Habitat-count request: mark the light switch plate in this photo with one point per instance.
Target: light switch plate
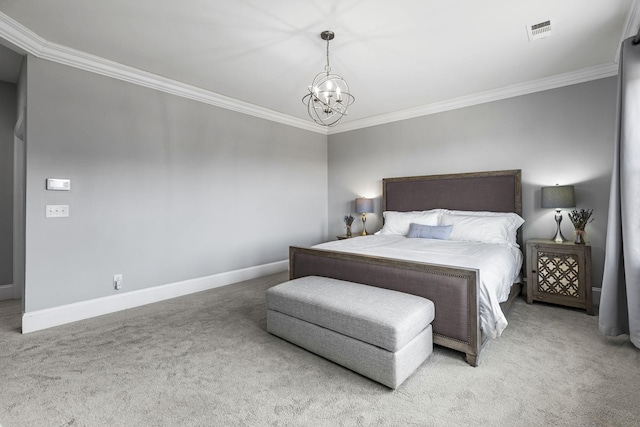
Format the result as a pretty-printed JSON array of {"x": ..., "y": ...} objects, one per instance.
[{"x": 57, "y": 211}]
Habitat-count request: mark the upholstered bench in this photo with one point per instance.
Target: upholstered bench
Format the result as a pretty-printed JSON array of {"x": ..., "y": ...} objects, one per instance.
[{"x": 382, "y": 334}]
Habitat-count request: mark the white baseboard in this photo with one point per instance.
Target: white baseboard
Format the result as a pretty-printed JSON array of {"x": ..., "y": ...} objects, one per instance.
[
  {"x": 50, "y": 317},
  {"x": 6, "y": 292}
]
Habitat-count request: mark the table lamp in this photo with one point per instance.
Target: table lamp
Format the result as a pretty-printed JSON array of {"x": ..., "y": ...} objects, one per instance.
[
  {"x": 364, "y": 206},
  {"x": 557, "y": 197}
]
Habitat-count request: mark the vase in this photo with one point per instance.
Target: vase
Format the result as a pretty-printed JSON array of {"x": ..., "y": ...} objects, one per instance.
[
  {"x": 348, "y": 231},
  {"x": 579, "y": 237}
]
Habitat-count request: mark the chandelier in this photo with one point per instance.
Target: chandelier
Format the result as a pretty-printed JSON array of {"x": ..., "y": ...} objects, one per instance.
[{"x": 328, "y": 97}]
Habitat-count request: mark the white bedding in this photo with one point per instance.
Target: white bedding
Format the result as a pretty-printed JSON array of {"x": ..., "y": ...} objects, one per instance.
[{"x": 499, "y": 266}]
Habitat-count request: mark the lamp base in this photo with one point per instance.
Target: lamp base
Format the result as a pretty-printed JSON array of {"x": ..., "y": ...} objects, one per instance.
[
  {"x": 364, "y": 224},
  {"x": 559, "y": 238}
]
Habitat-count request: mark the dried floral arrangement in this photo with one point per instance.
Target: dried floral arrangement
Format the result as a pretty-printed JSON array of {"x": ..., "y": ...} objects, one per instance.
[
  {"x": 348, "y": 220},
  {"x": 581, "y": 218}
]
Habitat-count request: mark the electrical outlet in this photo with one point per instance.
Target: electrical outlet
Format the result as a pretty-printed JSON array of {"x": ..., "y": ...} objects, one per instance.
[
  {"x": 117, "y": 281},
  {"x": 57, "y": 211}
]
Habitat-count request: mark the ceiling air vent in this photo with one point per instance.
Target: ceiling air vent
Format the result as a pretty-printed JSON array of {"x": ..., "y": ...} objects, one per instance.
[{"x": 539, "y": 31}]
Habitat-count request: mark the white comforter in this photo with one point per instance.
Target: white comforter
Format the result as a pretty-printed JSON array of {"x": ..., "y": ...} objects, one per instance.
[{"x": 499, "y": 266}]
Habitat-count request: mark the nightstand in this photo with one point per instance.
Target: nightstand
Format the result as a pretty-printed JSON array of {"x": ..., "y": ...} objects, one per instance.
[
  {"x": 344, "y": 236},
  {"x": 559, "y": 273}
]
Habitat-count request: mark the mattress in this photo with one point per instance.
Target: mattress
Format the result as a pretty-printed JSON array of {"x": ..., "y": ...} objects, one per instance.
[{"x": 499, "y": 266}]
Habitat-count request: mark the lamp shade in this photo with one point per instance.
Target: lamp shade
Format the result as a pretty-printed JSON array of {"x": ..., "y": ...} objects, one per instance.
[
  {"x": 364, "y": 205},
  {"x": 558, "y": 196}
]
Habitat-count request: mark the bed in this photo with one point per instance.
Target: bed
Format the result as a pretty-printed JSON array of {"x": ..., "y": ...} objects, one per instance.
[{"x": 456, "y": 291}]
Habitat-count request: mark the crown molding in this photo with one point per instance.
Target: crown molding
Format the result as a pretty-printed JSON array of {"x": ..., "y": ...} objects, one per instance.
[
  {"x": 631, "y": 29},
  {"x": 633, "y": 20},
  {"x": 26, "y": 41},
  {"x": 560, "y": 80},
  {"x": 29, "y": 42}
]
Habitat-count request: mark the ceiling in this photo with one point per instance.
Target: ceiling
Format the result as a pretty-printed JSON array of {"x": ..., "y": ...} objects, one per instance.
[{"x": 396, "y": 56}]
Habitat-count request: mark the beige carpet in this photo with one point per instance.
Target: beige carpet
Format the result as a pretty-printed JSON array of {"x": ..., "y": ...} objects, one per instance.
[{"x": 206, "y": 360}]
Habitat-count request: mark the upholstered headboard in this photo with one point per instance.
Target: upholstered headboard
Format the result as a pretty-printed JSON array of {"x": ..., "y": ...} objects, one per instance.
[{"x": 496, "y": 191}]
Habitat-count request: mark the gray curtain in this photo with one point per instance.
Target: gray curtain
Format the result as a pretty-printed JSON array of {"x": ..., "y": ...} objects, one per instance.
[{"x": 620, "y": 299}]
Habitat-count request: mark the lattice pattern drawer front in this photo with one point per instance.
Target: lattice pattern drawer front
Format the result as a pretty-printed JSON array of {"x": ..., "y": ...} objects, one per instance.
[{"x": 558, "y": 274}]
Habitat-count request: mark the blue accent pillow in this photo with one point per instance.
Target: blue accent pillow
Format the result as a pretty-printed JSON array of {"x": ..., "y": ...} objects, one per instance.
[{"x": 440, "y": 232}]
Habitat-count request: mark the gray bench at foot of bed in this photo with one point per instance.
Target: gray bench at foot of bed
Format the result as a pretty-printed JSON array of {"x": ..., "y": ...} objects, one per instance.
[{"x": 382, "y": 334}]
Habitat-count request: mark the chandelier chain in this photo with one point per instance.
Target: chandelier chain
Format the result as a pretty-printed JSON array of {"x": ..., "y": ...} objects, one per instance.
[{"x": 327, "y": 67}]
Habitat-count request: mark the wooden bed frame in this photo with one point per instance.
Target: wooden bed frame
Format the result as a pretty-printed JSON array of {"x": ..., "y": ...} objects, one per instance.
[{"x": 453, "y": 290}]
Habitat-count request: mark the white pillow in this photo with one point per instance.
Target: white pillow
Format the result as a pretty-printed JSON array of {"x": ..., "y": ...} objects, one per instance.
[
  {"x": 515, "y": 220},
  {"x": 491, "y": 228},
  {"x": 513, "y": 215},
  {"x": 398, "y": 223}
]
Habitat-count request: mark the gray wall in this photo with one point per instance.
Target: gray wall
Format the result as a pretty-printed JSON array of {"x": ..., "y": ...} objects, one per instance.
[
  {"x": 7, "y": 124},
  {"x": 164, "y": 189},
  {"x": 563, "y": 136}
]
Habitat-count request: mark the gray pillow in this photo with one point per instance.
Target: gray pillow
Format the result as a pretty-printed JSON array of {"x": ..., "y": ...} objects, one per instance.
[{"x": 440, "y": 232}]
